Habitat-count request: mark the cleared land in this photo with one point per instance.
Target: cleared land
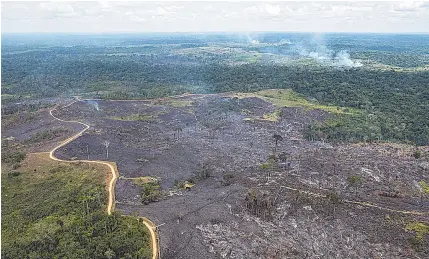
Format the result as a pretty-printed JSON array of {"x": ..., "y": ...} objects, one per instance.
[{"x": 243, "y": 204}]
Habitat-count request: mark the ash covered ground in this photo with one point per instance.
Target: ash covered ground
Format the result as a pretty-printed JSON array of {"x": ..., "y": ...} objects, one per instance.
[{"x": 254, "y": 198}]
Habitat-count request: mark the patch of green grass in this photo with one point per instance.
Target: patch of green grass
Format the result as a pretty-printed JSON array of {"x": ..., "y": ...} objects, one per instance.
[
  {"x": 425, "y": 187},
  {"x": 5, "y": 97},
  {"x": 270, "y": 164},
  {"x": 143, "y": 180},
  {"x": 274, "y": 116},
  {"x": 289, "y": 98},
  {"x": 135, "y": 117},
  {"x": 178, "y": 103},
  {"x": 419, "y": 228}
]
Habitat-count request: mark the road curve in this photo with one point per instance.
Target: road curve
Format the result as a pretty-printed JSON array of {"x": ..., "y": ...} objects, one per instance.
[{"x": 115, "y": 176}]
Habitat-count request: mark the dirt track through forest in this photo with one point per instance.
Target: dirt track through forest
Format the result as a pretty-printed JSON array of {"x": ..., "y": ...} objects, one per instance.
[{"x": 115, "y": 175}]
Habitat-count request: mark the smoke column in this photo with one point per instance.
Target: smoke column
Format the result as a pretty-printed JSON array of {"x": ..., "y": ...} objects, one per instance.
[
  {"x": 94, "y": 103},
  {"x": 326, "y": 56}
]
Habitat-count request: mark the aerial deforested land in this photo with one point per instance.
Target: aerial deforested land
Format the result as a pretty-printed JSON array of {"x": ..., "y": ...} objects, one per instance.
[{"x": 257, "y": 186}]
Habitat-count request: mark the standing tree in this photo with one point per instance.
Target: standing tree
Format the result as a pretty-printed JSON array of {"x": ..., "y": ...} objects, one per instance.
[
  {"x": 106, "y": 144},
  {"x": 277, "y": 138}
]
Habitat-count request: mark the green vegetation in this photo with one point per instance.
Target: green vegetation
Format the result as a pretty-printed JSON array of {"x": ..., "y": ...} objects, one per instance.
[
  {"x": 419, "y": 228},
  {"x": 17, "y": 116},
  {"x": 12, "y": 158},
  {"x": 46, "y": 135},
  {"x": 59, "y": 212},
  {"x": 144, "y": 179},
  {"x": 135, "y": 117},
  {"x": 424, "y": 186},
  {"x": 151, "y": 192},
  {"x": 289, "y": 98},
  {"x": 270, "y": 164},
  {"x": 274, "y": 116},
  {"x": 138, "y": 117},
  {"x": 178, "y": 103}
]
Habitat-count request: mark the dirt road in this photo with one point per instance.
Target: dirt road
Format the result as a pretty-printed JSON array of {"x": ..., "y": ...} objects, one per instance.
[{"x": 115, "y": 176}]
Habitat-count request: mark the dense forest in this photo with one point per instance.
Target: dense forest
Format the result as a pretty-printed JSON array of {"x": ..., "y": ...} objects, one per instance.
[
  {"x": 48, "y": 214},
  {"x": 391, "y": 88}
]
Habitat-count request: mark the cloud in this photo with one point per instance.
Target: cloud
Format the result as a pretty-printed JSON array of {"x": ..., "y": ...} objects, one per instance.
[
  {"x": 409, "y": 6},
  {"x": 217, "y": 16},
  {"x": 262, "y": 9},
  {"x": 272, "y": 9}
]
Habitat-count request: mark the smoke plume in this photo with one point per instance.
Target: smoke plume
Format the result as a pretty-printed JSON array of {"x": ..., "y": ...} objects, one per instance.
[
  {"x": 93, "y": 103},
  {"x": 328, "y": 57}
]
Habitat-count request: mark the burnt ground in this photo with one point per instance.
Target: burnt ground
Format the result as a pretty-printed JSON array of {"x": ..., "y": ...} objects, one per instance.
[
  {"x": 19, "y": 131},
  {"x": 175, "y": 139}
]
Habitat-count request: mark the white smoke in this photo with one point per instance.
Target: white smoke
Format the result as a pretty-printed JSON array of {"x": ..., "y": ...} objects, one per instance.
[
  {"x": 255, "y": 42},
  {"x": 250, "y": 40},
  {"x": 328, "y": 57},
  {"x": 342, "y": 59},
  {"x": 285, "y": 41},
  {"x": 94, "y": 103}
]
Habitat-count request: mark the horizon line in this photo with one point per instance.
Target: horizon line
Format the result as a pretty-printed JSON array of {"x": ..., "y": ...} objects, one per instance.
[{"x": 210, "y": 32}]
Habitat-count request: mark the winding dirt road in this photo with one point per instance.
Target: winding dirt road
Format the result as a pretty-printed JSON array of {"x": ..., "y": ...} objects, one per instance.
[{"x": 115, "y": 176}]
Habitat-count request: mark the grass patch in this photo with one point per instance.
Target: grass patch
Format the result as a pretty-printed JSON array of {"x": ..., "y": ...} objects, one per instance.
[
  {"x": 289, "y": 98},
  {"x": 178, "y": 103},
  {"x": 419, "y": 228},
  {"x": 135, "y": 117},
  {"x": 57, "y": 210},
  {"x": 274, "y": 116},
  {"x": 139, "y": 117},
  {"x": 143, "y": 180}
]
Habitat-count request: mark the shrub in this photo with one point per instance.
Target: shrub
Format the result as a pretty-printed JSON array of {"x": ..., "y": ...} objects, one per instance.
[
  {"x": 419, "y": 228},
  {"x": 13, "y": 157},
  {"x": 13, "y": 174},
  {"x": 417, "y": 154},
  {"x": 151, "y": 192}
]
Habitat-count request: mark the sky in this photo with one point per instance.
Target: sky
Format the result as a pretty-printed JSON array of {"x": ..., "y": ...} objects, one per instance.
[{"x": 207, "y": 16}]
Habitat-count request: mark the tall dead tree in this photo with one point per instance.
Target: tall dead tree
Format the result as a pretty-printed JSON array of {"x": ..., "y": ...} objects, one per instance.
[
  {"x": 277, "y": 138},
  {"x": 106, "y": 144}
]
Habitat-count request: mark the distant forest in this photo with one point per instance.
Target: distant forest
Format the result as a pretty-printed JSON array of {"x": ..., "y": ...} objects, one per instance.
[{"x": 394, "y": 103}]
